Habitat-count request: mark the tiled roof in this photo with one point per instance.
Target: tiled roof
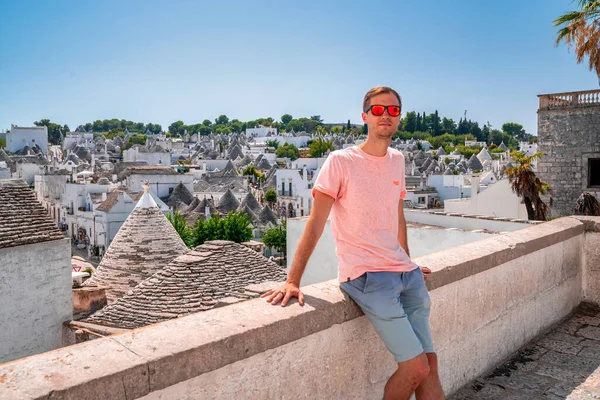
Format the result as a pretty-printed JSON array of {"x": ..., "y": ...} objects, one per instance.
[
  {"x": 267, "y": 215},
  {"x": 228, "y": 202},
  {"x": 146, "y": 243},
  {"x": 180, "y": 194},
  {"x": 193, "y": 282},
  {"x": 147, "y": 170},
  {"x": 251, "y": 202},
  {"x": 23, "y": 220},
  {"x": 111, "y": 200}
]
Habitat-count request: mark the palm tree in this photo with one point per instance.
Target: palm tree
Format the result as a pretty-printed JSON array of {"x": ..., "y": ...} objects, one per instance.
[
  {"x": 587, "y": 205},
  {"x": 527, "y": 185},
  {"x": 582, "y": 30}
]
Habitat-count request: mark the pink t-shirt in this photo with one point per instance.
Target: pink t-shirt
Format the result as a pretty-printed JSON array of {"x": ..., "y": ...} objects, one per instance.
[{"x": 364, "y": 216}]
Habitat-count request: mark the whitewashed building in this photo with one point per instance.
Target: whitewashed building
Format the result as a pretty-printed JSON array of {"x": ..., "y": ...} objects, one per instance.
[
  {"x": 261, "y": 131},
  {"x": 19, "y": 137}
]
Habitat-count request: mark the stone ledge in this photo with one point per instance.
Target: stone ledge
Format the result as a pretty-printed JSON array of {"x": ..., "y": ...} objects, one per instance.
[
  {"x": 135, "y": 363},
  {"x": 459, "y": 262},
  {"x": 591, "y": 224}
]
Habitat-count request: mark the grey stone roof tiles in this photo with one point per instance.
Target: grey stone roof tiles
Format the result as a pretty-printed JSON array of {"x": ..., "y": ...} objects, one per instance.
[
  {"x": 193, "y": 204},
  {"x": 23, "y": 220},
  {"x": 146, "y": 243},
  {"x": 441, "y": 151},
  {"x": 251, "y": 202},
  {"x": 191, "y": 283},
  {"x": 267, "y": 216},
  {"x": 228, "y": 202},
  {"x": 263, "y": 164},
  {"x": 474, "y": 164},
  {"x": 180, "y": 194},
  {"x": 147, "y": 170}
]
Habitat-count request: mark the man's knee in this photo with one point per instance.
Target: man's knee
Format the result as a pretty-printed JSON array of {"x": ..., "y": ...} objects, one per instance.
[{"x": 417, "y": 368}]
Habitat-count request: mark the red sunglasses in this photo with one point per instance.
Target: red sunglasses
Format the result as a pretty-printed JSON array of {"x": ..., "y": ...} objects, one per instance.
[{"x": 378, "y": 110}]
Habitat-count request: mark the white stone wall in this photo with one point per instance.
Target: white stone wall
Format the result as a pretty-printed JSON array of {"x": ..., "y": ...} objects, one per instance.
[
  {"x": 501, "y": 309},
  {"x": 497, "y": 200},
  {"x": 35, "y": 294},
  {"x": 19, "y": 137},
  {"x": 27, "y": 172},
  {"x": 160, "y": 184},
  {"x": 323, "y": 264},
  {"x": 134, "y": 155}
]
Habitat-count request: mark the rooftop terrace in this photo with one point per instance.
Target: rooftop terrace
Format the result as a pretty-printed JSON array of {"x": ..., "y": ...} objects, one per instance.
[{"x": 489, "y": 299}]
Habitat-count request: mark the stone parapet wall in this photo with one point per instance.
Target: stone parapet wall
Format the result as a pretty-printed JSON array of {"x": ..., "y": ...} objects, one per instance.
[{"x": 489, "y": 298}]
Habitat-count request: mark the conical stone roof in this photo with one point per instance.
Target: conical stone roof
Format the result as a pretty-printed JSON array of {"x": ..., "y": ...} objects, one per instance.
[
  {"x": 180, "y": 194},
  {"x": 193, "y": 204},
  {"x": 251, "y": 202},
  {"x": 267, "y": 216},
  {"x": 503, "y": 146},
  {"x": 144, "y": 245},
  {"x": 251, "y": 214},
  {"x": 474, "y": 164},
  {"x": 484, "y": 155},
  {"x": 235, "y": 152},
  {"x": 228, "y": 202},
  {"x": 441, "y": 151},
  {"x": 190, "y": 283},
  {"x": 263, "y": 164}
]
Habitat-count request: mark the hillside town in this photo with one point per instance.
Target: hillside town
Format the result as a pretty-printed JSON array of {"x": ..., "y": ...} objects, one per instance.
[{"x": 413, "y": 255}]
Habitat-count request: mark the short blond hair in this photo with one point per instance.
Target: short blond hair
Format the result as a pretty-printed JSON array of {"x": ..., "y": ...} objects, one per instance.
[{"x": 379, "y": 90}]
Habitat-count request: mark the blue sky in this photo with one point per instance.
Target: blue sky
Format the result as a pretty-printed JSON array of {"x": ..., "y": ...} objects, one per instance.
[{"x": 156, "y": 61}]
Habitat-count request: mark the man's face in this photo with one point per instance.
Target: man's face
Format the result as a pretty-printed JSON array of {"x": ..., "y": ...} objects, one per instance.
[{"x": 383, "y": 126}]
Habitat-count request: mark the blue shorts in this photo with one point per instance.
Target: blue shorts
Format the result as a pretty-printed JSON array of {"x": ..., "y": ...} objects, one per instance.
[{"x": 398, "y": 306}]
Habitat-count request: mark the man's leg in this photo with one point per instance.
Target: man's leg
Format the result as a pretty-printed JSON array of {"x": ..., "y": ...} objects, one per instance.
[
  {"x": 409, "y": 376},
  {"x": 430, "y": 388},
  {"x": 416, "y": 302}
]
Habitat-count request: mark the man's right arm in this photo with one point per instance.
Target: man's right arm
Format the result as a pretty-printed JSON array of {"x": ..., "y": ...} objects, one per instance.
[{"x": 310, "y": 237}]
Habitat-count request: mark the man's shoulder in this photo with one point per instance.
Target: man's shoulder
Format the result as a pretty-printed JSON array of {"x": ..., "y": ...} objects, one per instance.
[
  {"x": 395, "y": 153},
  {"x": 342, "y": 155}
]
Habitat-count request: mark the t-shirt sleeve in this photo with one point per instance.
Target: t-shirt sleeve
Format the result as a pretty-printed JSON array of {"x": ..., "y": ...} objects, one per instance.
[{"x": 330, "y": 178}]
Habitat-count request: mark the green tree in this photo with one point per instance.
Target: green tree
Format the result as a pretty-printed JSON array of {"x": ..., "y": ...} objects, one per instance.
[
  {"x": 436, "y": 124},
  {"x": 336, "y": 129},
  {"x": 409, "y": 124},
  {"x": 271, "y": 196},
  {"x": 515, "y": 130},
  {"x": 581, "y": 29},
  {"x": 319, "y": 147},
  {"x": 237, "y": 227},
  {"x": 294, "y": 125},
  {"x": 275, "y": 237},
  {"x": 236, "y": 126},
  {"x": 207, "y": 122},
  {"x": 288, "y": 150},
  {"x": 222, "y": 120},
  {"x": 348, "y": 126},
  {"x": 178, "y": 221},
  {"x": 273, "y": 143},
  {"x": 317, "y": 119},
  {"x": 365, "y": 129},
  {"x": 2, "y": 143},
  {"x": 286, "y": 118},
  {"x": 54, "y": 130},
  {"x": 528, "y": 186},
  {"x": 177, "y": 128},
  {"x": 135, "y": 139}
]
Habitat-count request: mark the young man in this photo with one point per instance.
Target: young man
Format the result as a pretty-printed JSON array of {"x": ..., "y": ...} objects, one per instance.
[{"x": 364, "y": 186}]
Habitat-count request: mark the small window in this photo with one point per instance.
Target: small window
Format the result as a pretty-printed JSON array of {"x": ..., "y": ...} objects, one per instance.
[
  {"x": 33, "y": 140},
  {"x": 594, "y": 172}
]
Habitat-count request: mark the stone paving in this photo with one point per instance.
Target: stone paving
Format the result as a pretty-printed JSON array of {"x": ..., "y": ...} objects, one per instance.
[{"x": 563, "y": 364}]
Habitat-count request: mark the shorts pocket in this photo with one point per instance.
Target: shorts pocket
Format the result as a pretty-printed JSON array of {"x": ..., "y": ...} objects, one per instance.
[{"x": 377, "y": 282}]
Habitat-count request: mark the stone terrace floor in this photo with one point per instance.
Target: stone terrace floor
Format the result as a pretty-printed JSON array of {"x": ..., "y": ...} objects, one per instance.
[{"x": 563, "y": 364}]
